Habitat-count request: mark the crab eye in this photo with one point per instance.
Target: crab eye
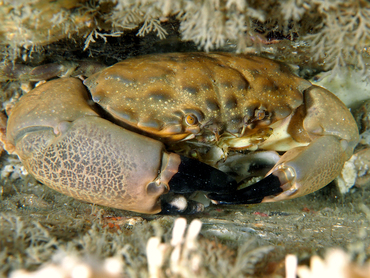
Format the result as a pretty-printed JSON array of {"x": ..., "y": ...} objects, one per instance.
[
  {"x": 191, "y": 119},
  {"x": 259, "y": 114}
]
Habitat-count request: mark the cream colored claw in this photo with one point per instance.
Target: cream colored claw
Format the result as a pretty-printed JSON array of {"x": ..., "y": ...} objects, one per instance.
[
  {"x": 64, "y": 143},
  {"x": 332, "y": 133}
]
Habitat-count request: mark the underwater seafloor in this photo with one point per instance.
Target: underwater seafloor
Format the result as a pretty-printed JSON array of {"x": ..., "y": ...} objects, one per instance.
[
  {"x": 46, "y": 234},
  {"x": 42, "y": 228}
]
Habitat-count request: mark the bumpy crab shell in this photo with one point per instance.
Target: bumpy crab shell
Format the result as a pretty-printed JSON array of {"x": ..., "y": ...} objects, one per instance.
[
  {"x": 220, "y": 91},
  {"x": 92, "y": 141}
]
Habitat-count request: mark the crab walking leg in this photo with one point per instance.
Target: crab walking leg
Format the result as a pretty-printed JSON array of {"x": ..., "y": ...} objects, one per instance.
[{"x": 64, "y": 144}]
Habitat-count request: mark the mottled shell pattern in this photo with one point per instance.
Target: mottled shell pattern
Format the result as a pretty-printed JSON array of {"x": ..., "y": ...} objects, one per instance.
[{"x": 206, "y": 96}]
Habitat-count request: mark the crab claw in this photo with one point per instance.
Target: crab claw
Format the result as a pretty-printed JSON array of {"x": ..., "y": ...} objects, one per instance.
[
  {"x": 191, "y": 176},
  {"x": 303, "y": 170},
  {"x": 290, "y": 177},
  {"x": 253, "y": 194},
  {"x": 180, "y": 175},
  {"x": 64, "y": 143}
]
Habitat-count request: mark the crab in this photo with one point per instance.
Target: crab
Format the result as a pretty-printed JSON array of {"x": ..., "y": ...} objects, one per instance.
[{"x": 151, "y": 126}]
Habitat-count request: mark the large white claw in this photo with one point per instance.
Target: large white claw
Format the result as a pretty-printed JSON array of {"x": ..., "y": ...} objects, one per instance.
[{"x": 326, "y": 123}]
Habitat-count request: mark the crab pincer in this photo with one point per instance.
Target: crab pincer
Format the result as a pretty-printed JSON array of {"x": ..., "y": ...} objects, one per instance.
[
  {"x": 64, "y": 143},
  {"x": 305, "y": 169}
]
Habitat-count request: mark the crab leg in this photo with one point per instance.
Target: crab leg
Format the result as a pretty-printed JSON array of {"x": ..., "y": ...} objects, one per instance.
[{"x": 303, "y": 170}]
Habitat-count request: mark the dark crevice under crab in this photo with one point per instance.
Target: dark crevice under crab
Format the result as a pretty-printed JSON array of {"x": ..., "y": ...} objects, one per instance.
[{"x": 106, "y": 140}]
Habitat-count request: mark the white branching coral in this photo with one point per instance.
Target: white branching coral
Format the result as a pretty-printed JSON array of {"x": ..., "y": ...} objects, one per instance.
[
  {"x": 337, "y": 32},
  {"x": 204, "y": 23},
  {"x": 333, "y": 33},
  {"x": 183, "y": 260},
  {"x": 208, "y": 23},
  {"x": 344, "y": 34},
  {"x": 145, "y": 15},
  {"x": 336, "y": 264},
  {"x": 147, "y": 250},
  {"x": 187, "y": 256}
]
